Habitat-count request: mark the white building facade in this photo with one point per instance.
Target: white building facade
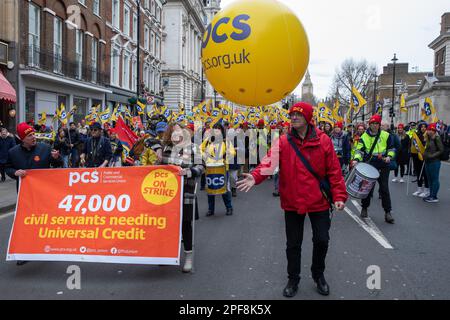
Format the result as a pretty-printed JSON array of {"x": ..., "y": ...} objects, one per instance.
[{"x": 184, "y": 24}]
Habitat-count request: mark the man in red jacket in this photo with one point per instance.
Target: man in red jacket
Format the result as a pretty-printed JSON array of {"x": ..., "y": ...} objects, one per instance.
[{"x": 300, "y": 191}]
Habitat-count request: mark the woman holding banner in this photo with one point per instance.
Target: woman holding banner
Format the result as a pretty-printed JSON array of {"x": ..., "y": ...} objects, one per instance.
[{"x": 178, "y": 150}]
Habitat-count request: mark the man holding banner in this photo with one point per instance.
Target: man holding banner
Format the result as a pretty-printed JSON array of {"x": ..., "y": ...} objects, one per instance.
[{"x": 30, "y": 155}]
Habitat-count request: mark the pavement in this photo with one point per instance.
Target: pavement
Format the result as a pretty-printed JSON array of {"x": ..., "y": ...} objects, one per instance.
[
  {"x": 243, "y": 257},
  {"x": 8, "y": 195}
]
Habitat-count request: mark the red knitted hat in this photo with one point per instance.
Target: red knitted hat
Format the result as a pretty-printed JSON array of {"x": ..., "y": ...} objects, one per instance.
[
  {"x": 376, "y": 118},
  {"x": 304, "y": 108},
  {"x": 432, "y": 126},
  {"x": 23, "y": 130}
]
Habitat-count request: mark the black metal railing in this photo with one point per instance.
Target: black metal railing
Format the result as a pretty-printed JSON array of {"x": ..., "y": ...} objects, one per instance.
[{"x": 49, "y": 61}]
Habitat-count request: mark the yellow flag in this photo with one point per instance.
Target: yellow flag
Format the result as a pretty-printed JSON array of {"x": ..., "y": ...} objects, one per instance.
[
  {"x": 429, "y": 111},
  {"x": 61, "y": 114},
  {"x": 336, "y": 115},
  {"x": 325, "y": 114},
  {"x": 116, "y": 113},
  {"x": 357, "y": 100},
  {"x": 42, "y": 118},
  {"x": 403, "y": 104},
  {"x": 418, "y": 146},
  {"x": 140, "y": 107},
  {"x": 105, "y": 116}
]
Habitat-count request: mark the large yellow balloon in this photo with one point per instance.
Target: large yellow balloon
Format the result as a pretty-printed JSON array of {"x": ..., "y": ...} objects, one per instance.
[{"x": 255, "y": 52}]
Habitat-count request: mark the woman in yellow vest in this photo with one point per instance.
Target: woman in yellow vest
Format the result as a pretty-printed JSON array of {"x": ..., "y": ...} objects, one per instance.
[{"x": 215, "y": 151}]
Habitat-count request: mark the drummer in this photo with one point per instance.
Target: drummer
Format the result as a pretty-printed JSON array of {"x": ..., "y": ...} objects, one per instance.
[
  {"x": 215, "y": 150},
  {"x": 380, "y": 158}
]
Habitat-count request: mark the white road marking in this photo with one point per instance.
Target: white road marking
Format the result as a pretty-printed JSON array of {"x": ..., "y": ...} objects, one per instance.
[
  {"x": 4, "y": 216},
  {"x": 357, "y": 205},
  {"x": 371, "y": 229}
]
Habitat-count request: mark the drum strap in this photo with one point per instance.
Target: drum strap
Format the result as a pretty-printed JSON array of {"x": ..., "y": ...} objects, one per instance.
[{"x": 369, "y": 155}]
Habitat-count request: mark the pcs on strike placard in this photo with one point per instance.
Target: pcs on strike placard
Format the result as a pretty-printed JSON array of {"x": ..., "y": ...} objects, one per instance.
[{"x": 116, "y": 215}]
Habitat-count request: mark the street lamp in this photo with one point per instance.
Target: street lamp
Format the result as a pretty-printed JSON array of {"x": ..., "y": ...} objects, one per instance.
[{"x": 392, "y": 112}]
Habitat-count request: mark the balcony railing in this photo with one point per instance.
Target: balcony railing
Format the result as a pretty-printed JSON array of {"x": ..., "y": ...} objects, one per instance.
[{"x": 36, "y": 57}]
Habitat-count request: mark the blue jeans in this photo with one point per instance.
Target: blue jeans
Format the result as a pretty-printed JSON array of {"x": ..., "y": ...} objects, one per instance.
[
  {"x": 74, "y": 160},
  {"x": 65, "y": 161},
  {"x": 226, "y": 200},
  {"x": 432, "y": 170}
]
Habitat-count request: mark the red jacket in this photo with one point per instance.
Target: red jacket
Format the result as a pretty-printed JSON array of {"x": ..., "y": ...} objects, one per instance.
[{"x": 299, "y": 189}]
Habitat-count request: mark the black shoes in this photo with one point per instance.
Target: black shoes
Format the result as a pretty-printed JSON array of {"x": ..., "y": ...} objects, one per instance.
[
  {"x": 229, "y": 212},
  {"x": 21, "y": 263},
  {"x": 276, "y": 194},
  {"x": 364, "y": 213},
  {"x": 291, "y": 289},
  {"x": 322, "y": 286},
  {"x": 210, "y": 213},
  {"x": 388, "y": 218}
]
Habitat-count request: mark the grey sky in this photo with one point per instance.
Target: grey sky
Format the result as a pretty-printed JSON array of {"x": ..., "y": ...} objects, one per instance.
[{"x": 369, "y": 29}]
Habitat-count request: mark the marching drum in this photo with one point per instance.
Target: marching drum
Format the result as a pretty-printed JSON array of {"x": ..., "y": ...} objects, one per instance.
[
  {"x": 216, "y": 179},
  {"x": 362, "y": 180}
]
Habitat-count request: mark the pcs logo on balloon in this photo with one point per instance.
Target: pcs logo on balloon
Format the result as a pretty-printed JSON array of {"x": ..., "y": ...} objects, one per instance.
[{"x": 238, "y": 23}]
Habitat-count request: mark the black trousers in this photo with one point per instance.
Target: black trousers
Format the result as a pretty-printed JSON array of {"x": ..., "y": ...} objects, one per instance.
[
  {"x": 383, "y": 182},
  {"x": 321, "y": 224},
  {"x": 186, "y": 228},
  {"x": 2, "y": 171},
  {"x": 402, "y": 168}
]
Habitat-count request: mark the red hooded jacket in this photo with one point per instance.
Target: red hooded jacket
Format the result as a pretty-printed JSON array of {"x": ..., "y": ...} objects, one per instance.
[{"x": 299, "y": 189}]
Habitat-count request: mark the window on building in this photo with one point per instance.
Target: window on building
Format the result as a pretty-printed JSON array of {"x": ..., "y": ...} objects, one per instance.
[
  {"x": 145, "y": 75},
  {"x": 57, "y": 45},
  {"x": 96, "y": 7},
  {"x": 158, "y": 48},
  {"x": 152, "y": 43},
  {"x": 79, "y": 53},
  {"x": 152, "y": 80},
  {"x": 134, "y": 75},
  {"x": 135, "y": 26},
  {"x": 153, "y": 4},
  {"x": 443, "y": 56},
  {"x": 126, "y": 20},
  {"x": 158, "y": 14},
  {"x": 116, "y": 14},
  {"x": 126, "y": 70},
  {"x": 115, "y": 63},
  {"x": 82, "y": 108},
  {"x": 94, "y": 59},
  {"x": 419, "y": 82},
  {"x": 146, "y": 37},
  {"x": 30, "y": 105},
  {"x": 147, "y": 4},
  {"x": 157, "y": 82},
  {"x": 33, "y": 34},
  {"x": 398, "y": 82}
]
